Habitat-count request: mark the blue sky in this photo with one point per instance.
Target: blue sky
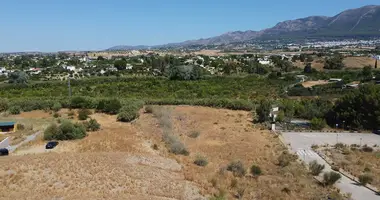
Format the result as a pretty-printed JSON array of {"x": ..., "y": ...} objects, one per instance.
[{"x": 54, "y": 25}]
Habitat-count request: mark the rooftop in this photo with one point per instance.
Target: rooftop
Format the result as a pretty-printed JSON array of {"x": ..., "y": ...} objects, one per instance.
[{"x": 7, "y": 123}]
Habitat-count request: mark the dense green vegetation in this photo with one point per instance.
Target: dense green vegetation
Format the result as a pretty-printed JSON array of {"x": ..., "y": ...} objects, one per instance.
[
  {"x": 148, "y": 88},
  {"x": 358, "y": 109},
  {"x": 65, "y": 131}
]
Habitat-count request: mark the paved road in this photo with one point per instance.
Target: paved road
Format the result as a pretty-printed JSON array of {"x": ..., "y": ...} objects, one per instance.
[
  {"x": 12, "y": 148},
  {"x": 301, "y": 145}
]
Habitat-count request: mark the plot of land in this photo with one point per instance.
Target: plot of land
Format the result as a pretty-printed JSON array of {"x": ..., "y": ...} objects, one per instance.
[
  {"x": 357, "y": 162},
  {"x": 358, "y": 62},
  {"x": 118, "y": 162},
  {"x": 309, "y": 84}
]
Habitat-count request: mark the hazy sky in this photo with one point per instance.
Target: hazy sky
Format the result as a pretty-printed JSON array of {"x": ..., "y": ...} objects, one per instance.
[{"x": 53, "y": 25}]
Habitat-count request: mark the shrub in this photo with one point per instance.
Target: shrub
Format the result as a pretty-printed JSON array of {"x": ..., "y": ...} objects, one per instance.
[
  {"x": 110, "y": 106},
  {"x": 83, "y": 114},
  {"x": 149, "y": 109},
  {"x": 364, "y": 179},
  {"x": 80, "y": 102},
  {"x": 330, "y": 178},
  {"x": 66, "y": 131},
  {"x": 317, "y": 124},
  {"x": 56, "y": 115},
  {"x": 194, "y": 134},
  {"x": 315, "y": 168},
  {"x": 3, "y": 105},
  {"x": 20, "y": 127},
  {"x": 125, "y": 116},
  {"x": 285, "y": 159},
  {"x": 56, "y": 107},
  {"x": 255, "y": 170},
  {"x": 14, "y": 110},
  {"x": 339, "y": 145},
  {"x": 155, "y": 147},
  {"x": 177, "y": 147},
  {"x": 366, "y": 148},
  {"x": 51, "y": 131},
  {"x": 91, "y": 125},
  {"x": 201, "y": 161},
  {"x": 237, "y": 168}
]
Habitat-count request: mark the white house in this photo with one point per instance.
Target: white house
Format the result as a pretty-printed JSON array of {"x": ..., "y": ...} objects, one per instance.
[
  {"x": 70, "y": 68},
  {"x": 129, "y": 66}
]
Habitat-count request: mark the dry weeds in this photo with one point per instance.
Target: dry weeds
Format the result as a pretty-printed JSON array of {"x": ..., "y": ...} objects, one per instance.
[
  {"x": 118, "y": 162},
  {"x": 357, "y": 162}
]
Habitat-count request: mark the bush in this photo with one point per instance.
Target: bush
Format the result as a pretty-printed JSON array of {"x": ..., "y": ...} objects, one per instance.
[
  {"x": 148, "y": 109},
  {"x": 201, "y": 161},
  {"x": 366, "y": 148},
  {"x": 51, "y": 131},
  {"x": 20, "y": 127},
  {"x": 80, "y": 102},
  {"x": 194, "y": 134},
  {"x": 110, "y": 106},
  {"x": 263, "y": 110},
  {"x": 125, "y": 116},
  {"x": 317, "y": 124},
  {"x": 91, "y": 125},
  {"x": 285, "y": 159},
  {"x": 237, "y": 168},
  {"x": 3, "y": 105},
  {"x": 56, "y": 115},
  {"x": 71, "y": 113},
  {"x": 66, "y": 131},
  {"x": 364, "y": 179},
  {"x": 177, "y": 147},
  {"x": 255, "y": 170},
  {"x": 14, "y": 110},
  {"x": 330, "y": 178},
  {"x": 315, "y": 168},
  {"x": 83, "y": 114},
  {"x": 56, "y": 107}
]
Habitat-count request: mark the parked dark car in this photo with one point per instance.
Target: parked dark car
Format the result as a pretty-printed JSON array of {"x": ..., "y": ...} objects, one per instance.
[
  {"x": 51, "y": 145},
  {"x": 4, "y": 152},
  {"x": 377, "y": 131}
]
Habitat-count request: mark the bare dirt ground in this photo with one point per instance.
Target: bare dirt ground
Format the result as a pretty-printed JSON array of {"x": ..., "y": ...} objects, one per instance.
[
  {"x": 308, "y": 84},
  {"x": 118, "y": 162},
  {"x": 357, "y": 162}
]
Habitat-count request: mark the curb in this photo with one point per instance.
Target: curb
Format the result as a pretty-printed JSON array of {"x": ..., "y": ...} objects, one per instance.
[{"x": 344, "y": 173}]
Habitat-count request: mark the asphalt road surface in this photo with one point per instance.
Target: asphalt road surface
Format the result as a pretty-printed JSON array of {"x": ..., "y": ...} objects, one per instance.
[{"x": 301, "y": 145}]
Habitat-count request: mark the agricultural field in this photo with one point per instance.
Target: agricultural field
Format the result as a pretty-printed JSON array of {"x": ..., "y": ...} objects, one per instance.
[
  {"x": 357, "y": 160},
  {"x": 349, "y": 62},
  {"x": 143, "y": 88},
  {"x": 169, "y": 152}
]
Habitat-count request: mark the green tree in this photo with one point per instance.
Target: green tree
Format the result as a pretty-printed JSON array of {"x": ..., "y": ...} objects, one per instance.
[
  {"x": 120, "y": 64},
  {"x": 359, "y": 109},
  {"x": 307, "y": 68},
  {"x": 263, "y": 110},
  {"x": 317, "y": 124},
  {"x": 367, "y": 73},
  {"x": 18, "y": 78},
  {"x": 335, "y": 62}
]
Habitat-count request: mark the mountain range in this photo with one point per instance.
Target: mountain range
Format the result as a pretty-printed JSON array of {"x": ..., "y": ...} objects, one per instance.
[{"x": 360, "y": 22}]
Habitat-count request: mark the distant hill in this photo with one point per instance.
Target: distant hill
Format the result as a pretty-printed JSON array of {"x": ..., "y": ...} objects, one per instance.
[{"x": 360, "y": 22}]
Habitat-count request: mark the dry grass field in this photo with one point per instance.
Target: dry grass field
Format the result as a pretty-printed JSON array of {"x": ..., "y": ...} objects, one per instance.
[
  {"x": 358, "y": 62},
  {"x": 32, "y": 122},
  {"x": 357, "y": 162},
  {"x": 350, "y": 62},
  {"x": 131, "y": 161}
]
